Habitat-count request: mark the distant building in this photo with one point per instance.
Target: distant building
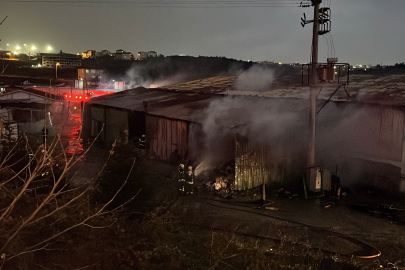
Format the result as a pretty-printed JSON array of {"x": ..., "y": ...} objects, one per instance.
[
  {"x": 6, "y": 55},
  {"x": 91, "y": 77},
  {"x": 49, "y": 60},
  {"x": 152, "y": 54},
  {"x": 103, "y": 53},
  {"x": 142, "y": 55},
  {"x": 123, "y": 55},
  {"x": 88, "y": 54}
]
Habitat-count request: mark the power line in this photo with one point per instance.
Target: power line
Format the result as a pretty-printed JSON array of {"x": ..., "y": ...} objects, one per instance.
[
  {"x": 174, "y": 3},
  {"x": 333, "y": 45},
  {"x": 327, "y": 41}
]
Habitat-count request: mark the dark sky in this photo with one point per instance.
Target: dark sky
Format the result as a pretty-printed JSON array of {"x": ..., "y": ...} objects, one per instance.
[{"x": 364, "y": 31}]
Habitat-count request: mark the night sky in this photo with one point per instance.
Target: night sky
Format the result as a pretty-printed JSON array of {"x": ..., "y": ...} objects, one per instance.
[{"x": 364, "y": 31}]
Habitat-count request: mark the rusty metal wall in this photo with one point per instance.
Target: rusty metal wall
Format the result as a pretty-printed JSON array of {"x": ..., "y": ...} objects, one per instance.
[
  {"x": 250, "y": 165},
  {"x": 391, "y": 133},
  {"x": 165, "y": 136}
]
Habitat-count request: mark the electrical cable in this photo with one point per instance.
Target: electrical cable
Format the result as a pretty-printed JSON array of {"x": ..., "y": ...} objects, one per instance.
[
  {"x": 329, "y": 99},
  {"x": 327, "y": 41},
  {"x": 174, "y": 3},
  {"x": 333, "y": 45}
]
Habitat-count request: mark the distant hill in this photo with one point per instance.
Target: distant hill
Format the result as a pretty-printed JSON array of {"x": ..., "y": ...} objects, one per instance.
[{"x": 170, "y": 69}]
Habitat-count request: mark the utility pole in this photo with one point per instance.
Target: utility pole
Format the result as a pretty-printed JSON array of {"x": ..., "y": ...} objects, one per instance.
[{"x": 313, "y": 89}]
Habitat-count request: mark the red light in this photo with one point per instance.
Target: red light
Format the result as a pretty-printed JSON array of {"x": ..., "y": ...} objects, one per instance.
[
  {"x": 80, "y": 97},
  {"x": 76, "y": 96},
  {"x": 70, "y": 96},
  {"x": 86, "y": 97},
  {"x": 66, "y": 96}
]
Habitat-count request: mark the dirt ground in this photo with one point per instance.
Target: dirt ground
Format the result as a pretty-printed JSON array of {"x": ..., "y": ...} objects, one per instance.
[{"x": 159, "y": 228}]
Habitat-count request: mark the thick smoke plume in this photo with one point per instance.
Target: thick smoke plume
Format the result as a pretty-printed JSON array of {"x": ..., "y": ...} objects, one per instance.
[
  {"x": 363, "y": 141},
  {"x": 280, "y": 124}
]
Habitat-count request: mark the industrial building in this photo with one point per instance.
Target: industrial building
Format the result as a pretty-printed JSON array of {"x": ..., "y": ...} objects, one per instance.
[
  {"x": 264, "y": 133},
  {"x": 24, "y": 111}
]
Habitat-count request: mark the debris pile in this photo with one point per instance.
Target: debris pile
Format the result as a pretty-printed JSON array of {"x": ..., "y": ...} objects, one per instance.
[{"x": 224, "y": 183}]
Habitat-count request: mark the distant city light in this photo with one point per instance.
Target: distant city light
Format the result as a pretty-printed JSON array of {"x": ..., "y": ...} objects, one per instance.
[
  {"x": 18, "y": 47},
  {"x": 33, "y": 48},
  {"x": 49, "y": 48}
]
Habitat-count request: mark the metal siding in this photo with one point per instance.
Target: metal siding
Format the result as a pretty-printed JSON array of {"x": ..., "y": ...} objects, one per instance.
[
  {"x": 97, "y": 114},
  {"x": 116, "y": 120},
  {"x": 250, "y": 165},
  {"x": 166, "y": 136}
]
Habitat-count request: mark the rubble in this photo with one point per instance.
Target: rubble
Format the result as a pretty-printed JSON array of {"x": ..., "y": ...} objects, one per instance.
[
  {"x": 224, "y": 182},
  {"x": 223, "y": 187}
]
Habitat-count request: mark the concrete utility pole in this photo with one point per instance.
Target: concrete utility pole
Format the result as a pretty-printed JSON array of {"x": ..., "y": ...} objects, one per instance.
[{"x": 313, "y": 85}]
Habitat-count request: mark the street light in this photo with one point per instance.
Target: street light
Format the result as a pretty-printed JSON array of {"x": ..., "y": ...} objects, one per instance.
[
  {"x": 56, "y": 69},
  {"x": 33, "y": 48}
]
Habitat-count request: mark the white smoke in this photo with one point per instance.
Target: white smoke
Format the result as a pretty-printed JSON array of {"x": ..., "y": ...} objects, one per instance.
[
  {"x": 258, "y": 78},
  {"x": 266, "y": 122}
]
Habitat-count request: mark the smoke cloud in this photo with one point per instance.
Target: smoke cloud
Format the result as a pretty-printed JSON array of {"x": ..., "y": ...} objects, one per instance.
[
  {"x": 258, "y": 78},
  {"x": 363, "y": 141},
  {"x": 276, "y": 125}
]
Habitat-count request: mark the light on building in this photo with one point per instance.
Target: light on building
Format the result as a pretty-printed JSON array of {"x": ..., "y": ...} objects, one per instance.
[
  {"x": 18, "y": 47},
  {"x": 33, "y": 48},
  {"x": 49, "y": 48}
]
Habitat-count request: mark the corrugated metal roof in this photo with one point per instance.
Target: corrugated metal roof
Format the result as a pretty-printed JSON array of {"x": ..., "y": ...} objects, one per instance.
[
  {"x": 386, "y": 89},
  {"x": 159, "y": 102},
  {"x": 186, "y": 101}
]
